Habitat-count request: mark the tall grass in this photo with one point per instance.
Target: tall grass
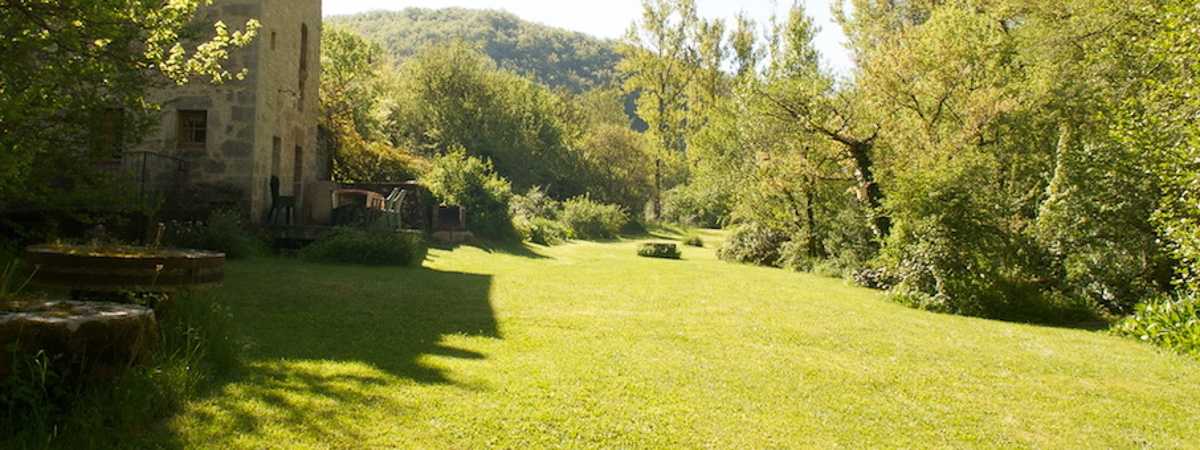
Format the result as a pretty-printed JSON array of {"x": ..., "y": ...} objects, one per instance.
[{"x": 43, "y": 406}]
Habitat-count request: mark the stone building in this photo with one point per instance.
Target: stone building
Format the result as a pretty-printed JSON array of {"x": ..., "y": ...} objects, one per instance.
[{"x": 240, "y": 134}]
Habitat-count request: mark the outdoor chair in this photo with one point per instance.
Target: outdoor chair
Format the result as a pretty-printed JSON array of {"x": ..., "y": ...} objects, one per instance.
[{"x": 280, "y": 204}]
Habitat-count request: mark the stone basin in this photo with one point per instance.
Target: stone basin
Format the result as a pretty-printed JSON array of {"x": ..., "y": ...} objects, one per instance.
[
  {"x": 83, "y": 339},
  {"x": 124, "y": 268}
]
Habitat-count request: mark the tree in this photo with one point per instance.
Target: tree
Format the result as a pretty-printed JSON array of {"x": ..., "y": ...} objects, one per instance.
[
  {"x": 453, "y": 96},
  {"x": 658, "y": 66},
  {"x": 798, "y": 91},
  {"x": 69, "y": 63},
  {"x": 356, "y": 77}
]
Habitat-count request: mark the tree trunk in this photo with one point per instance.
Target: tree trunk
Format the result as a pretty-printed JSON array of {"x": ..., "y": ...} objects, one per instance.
[
  {"x": 814, "y": 250},
  {"x": 869, "y": 191},
  {"x": 657, "y": 188}
]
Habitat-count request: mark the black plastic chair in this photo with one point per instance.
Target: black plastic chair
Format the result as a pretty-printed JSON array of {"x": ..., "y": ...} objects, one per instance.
[{"x": 280, "y": 203}]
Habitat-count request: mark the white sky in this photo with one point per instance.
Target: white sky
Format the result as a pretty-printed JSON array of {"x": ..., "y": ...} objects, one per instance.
[{"x": 610, "y": 18}]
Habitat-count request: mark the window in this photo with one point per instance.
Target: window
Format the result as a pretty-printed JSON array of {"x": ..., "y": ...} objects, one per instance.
[
  {"x": 303, "y": 75},
  {"x": 193, "y": 129},
  {"x": 273, "y": 40}
]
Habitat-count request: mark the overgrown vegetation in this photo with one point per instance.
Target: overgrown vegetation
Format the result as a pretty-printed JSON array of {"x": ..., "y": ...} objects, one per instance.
[
  {"x": 585, "y": 218},
  {"x": 1172, "y": 323},
  {"x": 43, "y": 405},
  {"x": 224, "y": 231},
  {"x": 376, "y": 247},
  {"x": 458, "y": 179}
]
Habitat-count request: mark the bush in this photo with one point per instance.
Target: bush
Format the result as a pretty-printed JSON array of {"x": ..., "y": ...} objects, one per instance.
[
  {"x": 541, "y": 231},
  {"x": 458, "y": 179},
  {"x": 587, "y": 219},
  {"x": 794, "y": 255},
  {"x": 659, "y": 250},
  {"x": 753, "y": 244},
  {"x": 368, "y": 247},
  {"x": 1169, "y": 323},
  {"x": 535, "y": 204},
  {"x": 224, "y": 232},
  {"x": 693, "y": 240},
  {"x": 696, "y": 205}
]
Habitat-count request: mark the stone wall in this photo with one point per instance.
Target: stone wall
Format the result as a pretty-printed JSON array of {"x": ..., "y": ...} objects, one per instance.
[{"x": 245, "y": 117}]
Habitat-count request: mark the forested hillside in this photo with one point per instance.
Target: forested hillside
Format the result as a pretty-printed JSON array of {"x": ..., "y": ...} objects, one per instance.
[{"x": 555, "y": 57}]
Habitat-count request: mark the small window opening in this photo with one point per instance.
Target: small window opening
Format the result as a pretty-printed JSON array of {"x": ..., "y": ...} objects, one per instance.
[{"x": 193, "y": 129}]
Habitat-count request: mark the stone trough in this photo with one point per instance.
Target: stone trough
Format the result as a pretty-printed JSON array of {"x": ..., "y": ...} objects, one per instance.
[
  {"x": 124, "y": 268},
  {"x": 86, "y": 339}
]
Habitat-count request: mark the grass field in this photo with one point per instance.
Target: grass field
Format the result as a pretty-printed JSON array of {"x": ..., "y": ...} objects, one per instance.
[{"x": 586, "y": 345}]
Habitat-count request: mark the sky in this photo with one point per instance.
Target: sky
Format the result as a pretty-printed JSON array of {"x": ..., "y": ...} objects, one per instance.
[{"x": 611, "y": 18}]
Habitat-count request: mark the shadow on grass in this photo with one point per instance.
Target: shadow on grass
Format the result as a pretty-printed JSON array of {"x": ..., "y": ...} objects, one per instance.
[
  {"x": 379, "y": 324},
  {"x": 385, "y": 317},
  {"x": 520, "y": 249}
]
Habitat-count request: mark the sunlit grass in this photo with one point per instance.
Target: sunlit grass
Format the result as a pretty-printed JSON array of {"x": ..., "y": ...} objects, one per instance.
[{"x": 587, "y": 345}]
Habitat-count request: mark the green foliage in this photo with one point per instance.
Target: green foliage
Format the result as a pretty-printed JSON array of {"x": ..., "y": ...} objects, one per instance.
[
  {"x": 452, "y": 97},
  {"x": 659, "y": 250},
  {"x": 753, "y": 243},
  {"x": 1172, "y": 323},
  {"x": 793, "y": 255},
  {"x": 693, "y": 240},
  {"x": 355, "y": 80},
  {"x": 470, "y": 182},
  {"x": 617, "y": 164},
  {"x": 225, "y": 231},
  {"x": 44, "y": 405},
  {"x": 372, "y": 247},
  {"x": 535, "y": 204},
  {"x": 535, "y": 217},
  {"x": 69, "y": 63},
  {"x": 585, "y": 218},
  {"x": 541, "y": 231},
  {"x": 557, "y": 58},
  {"x": 696, "y": 205}
]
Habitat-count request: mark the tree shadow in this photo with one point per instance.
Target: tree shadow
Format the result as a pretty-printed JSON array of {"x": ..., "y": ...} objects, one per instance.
[
  {"x": 377, "y": 323},
  {"x": 520, "y": 249},
  {"x": 385, "y": 317}
]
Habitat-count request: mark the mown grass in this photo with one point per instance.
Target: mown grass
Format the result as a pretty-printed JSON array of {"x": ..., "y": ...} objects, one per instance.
[{"x": 587, "y": 345}]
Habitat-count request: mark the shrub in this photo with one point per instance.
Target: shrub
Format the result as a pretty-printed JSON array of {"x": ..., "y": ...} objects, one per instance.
[
  {"x": 794, "y": 255},
  {"x": 587, "y": 219},
  {"x": 659, "y": 250},
  {"x": 696, "y": 205},
  {"x": 693, "y": 240},
  {"x": 472, "y": 183},
  {"x": 224, "y": 232},
  {"x": 368, "y": 247},
  {"x": 1169, "y": 323},
  {"x": 874, "y": 278},
  {"x": 849, "y": 240},
  {"x": 541, "y": 231},
  {"x": 753, "y": 244},
  {"x": 535, "y": 204}
]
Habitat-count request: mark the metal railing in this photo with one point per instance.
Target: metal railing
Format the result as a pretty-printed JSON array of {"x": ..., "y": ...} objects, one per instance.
[{"x": 155, "y": 172}]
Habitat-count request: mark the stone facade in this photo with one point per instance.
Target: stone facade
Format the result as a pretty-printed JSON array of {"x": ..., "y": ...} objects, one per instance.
[{"x": 241, "y": 133}]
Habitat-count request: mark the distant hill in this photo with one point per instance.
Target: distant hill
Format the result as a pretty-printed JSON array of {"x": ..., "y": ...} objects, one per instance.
[{"x": 555, "y": 57}]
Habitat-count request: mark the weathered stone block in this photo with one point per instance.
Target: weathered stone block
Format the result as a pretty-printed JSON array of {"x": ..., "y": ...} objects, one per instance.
[
  {"x": 240, "y": 149},
  {"x": 90, "y": 339},
  {"x": 243, "y": 114},
  {"x": 194, "y": 102}
]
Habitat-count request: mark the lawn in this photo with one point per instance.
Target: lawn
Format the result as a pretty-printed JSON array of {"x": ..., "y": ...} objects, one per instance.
[{"x": 587, "y": 345}]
